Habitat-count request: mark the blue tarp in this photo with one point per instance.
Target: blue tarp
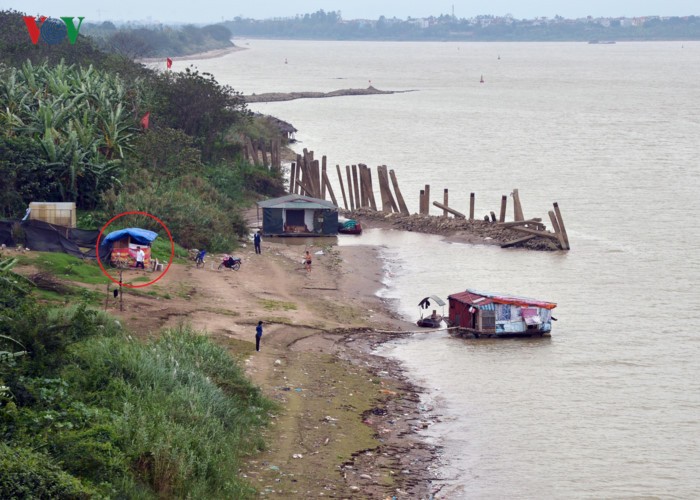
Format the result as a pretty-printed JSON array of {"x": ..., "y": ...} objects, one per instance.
[{"x": 138, "y": 236}]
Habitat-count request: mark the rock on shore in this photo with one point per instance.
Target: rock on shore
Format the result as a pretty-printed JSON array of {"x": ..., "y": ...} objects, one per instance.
[{"x": 457, "y": 229}]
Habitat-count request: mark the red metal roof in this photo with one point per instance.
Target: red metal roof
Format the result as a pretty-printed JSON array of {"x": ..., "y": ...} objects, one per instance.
[{"x": 478, "y": 299}]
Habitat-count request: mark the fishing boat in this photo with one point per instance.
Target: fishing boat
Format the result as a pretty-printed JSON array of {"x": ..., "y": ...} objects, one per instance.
[
  {"x": 435, "y": 319},
  {"x": 349, "y": 226},
  {"x": 474, "y": 314}
]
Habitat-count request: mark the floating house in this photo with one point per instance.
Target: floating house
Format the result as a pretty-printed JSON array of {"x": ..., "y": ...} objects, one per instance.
[
  {"x": 124, "y": 244},
  {"x": 479, "y": 313},
  {"x": 298, "y": 215}
]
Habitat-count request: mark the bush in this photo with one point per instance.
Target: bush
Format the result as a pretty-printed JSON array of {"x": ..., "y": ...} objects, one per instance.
[
  {"x": 28, "y": 474},
  {"x": 188, "y": 412}
]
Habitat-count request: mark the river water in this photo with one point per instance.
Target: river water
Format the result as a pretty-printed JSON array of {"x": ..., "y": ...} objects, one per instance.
[{"x": 609, "y": 406}]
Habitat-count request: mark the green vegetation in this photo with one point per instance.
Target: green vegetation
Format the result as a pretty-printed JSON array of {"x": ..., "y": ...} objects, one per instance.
[
  {"x": 153, "y": 41},
  {"x": 71, "y": 129},
  {"x": 273, "y": 305},
  {"x": 90, "y": 412}
]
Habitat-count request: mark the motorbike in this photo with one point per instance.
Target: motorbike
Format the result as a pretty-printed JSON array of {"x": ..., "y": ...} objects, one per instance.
[{"x": 230, "y": 262}]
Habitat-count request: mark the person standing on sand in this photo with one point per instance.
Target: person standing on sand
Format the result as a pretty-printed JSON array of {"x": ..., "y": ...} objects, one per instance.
[
  {"x": 307, "y": 261},
  {"x": 258, "y": 335},
  {"x": 256, "y": 240},
  {"x": 140, "y": 256}
]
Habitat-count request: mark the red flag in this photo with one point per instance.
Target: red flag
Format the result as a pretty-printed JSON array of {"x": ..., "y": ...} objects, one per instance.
[
  {"x": 144, "y": 120},
  {"x": 168, "y": 62}
]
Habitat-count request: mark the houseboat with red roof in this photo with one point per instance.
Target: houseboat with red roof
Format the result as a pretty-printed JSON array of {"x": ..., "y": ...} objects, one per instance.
[{"x": 475, "y": 313}]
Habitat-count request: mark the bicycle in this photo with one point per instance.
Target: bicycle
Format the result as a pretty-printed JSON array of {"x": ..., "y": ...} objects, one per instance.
[{"x": 199, "y": 259}]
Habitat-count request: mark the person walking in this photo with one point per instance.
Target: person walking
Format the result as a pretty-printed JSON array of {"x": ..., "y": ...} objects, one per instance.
[
  {"x": 256, "y": 239},
  {"x": 258, "y": 335},
  {"x": 140, "y": 257},
  {"x": 307, "y": 261}
]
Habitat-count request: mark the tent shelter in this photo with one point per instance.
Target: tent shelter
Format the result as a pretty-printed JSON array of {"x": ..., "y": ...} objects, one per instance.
[
  {"x": 124, "y": 243},
  {"x": 297, "y": 215}
]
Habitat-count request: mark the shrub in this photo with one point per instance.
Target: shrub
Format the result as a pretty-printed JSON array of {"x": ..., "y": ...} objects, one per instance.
[{"x": 28, "y": 474}]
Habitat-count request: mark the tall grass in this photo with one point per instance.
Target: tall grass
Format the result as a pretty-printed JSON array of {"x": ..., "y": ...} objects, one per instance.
[{"x": 188, "y": 414}]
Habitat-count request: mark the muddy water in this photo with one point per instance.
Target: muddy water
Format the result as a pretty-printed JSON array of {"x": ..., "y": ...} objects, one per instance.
[{"x": 608, "y": 406}]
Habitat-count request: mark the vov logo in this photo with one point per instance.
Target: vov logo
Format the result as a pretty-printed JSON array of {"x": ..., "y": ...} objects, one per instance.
[{"x": 52, "y": 30}]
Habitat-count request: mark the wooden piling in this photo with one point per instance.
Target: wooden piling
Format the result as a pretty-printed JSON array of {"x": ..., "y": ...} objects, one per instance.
[
  {"x": 445, "y": 200},
  {"x": 426, "y": 202},
  {"x": 356, "y": 186},
  {"x": 342, "y": 188},
  {"x": 517, "y": 208},
  {"x": 292, "y": 177},
  {"x": 300, "y": 165},
  {"x": 323, "y": 176},
  {"x": 557, "y": 229},
  {"x": 367, "y": 198},
  {"x": 350, "y": 189},
  {"x": 561, "y": 225},
  {"x": 264, "y": 155},
  {"x": 421, "y": 202},
  {"x": 388, "y": 203},
  {"x": 472, "y": 202},
  {"x": 493, "y": 216},
  {"x": 327, "y": 184},
  {"x": 504, "y": 203},
  {"x": 397, "y": 191},
  {"x": 447, "y": 209},
  {"x": 253, "y": 154}
]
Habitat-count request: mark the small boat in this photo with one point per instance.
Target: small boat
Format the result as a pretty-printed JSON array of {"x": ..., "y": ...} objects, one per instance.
[
  {"x": 349, "y": 226},
  {"x": 435, "y": 319},
  {"x": 474, "y": 314}
]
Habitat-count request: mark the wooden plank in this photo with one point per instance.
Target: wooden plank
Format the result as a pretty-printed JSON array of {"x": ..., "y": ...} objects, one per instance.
[
  {"x": 543, "y": 234},
  {"x": 397, "y": 191},
  {"x": 342, "y": 187},
  {"x": 450, "y": 210},
  {"x": 536, "y": 221},
  {"x": 518, "y": 241}
]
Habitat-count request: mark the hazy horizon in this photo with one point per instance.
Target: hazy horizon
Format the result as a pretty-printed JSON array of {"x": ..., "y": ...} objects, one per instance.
[{"x": 214, "y": 11}]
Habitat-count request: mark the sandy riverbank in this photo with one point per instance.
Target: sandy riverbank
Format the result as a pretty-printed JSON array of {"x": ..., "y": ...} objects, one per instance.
[
  {"x": 349, "y": 420},
  {"x": 210, "y": 54}
]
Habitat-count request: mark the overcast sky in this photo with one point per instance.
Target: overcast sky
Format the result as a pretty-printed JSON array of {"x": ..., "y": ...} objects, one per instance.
[{"x": 205, "y": 11}]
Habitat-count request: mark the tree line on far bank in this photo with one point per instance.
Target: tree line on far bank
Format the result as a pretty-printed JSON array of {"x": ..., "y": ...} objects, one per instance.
[{"x": 323, "y": 25}]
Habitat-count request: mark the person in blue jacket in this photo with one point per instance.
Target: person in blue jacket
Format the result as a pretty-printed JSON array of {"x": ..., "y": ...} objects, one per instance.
[
  {"x": 258, "y": 335},
  {"x": 256, "y": 239}
]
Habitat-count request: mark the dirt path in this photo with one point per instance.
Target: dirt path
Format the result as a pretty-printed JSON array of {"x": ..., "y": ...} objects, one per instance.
[{"x": 347, "y": 419}]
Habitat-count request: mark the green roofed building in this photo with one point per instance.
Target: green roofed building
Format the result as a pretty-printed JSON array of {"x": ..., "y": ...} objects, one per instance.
[{"x": 297, "y": 215}]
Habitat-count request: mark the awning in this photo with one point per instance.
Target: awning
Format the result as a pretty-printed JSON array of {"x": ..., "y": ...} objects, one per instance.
[
  {"x": 531, "y": 317},
  {"x": 138, "y": 236}
]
